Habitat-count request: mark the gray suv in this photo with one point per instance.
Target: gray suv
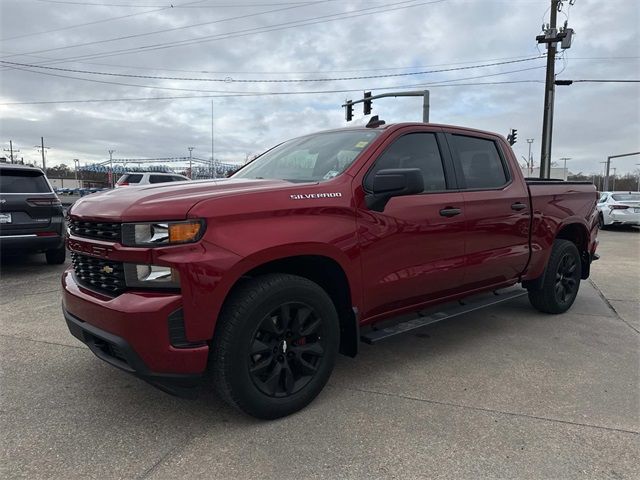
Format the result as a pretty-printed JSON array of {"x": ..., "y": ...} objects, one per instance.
[{"x": 31, "y": 216}]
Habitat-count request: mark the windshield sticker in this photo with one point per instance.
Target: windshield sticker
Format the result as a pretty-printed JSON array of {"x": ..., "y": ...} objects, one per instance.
[
  {"x": 361, "y": 144},
  {"x": 305, "y": 196},
  {"x": 330, "y": 174}
]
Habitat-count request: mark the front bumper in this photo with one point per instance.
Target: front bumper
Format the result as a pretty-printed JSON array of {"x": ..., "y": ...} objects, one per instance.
[{"x": 131, "y": 332}]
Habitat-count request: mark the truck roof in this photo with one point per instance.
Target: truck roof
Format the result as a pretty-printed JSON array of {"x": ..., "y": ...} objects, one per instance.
[{"x": 395, "y": 126}]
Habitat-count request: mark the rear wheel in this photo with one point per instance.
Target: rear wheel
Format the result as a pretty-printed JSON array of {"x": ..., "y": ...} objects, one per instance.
[
  {"x": 275, "y": 345},
  {"x": 56, "y": 256},
  {"x": 561, "y": 279},
  {"x": 601, "y": 223}
]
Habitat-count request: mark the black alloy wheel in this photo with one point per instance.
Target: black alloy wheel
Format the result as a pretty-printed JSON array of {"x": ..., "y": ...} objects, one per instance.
[
  {"x": 286, "y": 349},
  {"x": 566, "y": 278}
]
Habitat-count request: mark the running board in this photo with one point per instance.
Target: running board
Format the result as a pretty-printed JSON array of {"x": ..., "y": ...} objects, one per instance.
[{"x": 427, "y": 317}]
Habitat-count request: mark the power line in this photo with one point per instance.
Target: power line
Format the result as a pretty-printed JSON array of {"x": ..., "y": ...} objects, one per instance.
[
  {"x": 169, "y": 5},
  {"x": 95, "y": 22},
  {"x": 256, "y": 94},
  {"x": 271, "y": 80},
  {"x": 251, "y": 31},
  {"x": 165, "y": 30},
  {"x": 223, "y": 91}
]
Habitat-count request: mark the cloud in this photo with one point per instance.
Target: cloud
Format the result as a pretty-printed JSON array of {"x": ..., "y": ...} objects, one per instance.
[{"x": 591, "y": 121}]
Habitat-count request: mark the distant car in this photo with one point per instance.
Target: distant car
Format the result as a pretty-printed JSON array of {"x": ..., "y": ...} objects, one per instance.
[
  {"x": 148, "y": 178},
  {"x": 31, "y": 216},
  {"x": 619, "y": 208}
]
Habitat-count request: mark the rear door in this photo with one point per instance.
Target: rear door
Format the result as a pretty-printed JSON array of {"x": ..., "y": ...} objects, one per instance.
[
  {"x": 496, "y": 206},
  {"x": 27, "y": 203}
]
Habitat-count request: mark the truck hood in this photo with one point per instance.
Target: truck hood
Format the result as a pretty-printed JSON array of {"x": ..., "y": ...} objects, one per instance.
[{"x": 167, "y": 201}]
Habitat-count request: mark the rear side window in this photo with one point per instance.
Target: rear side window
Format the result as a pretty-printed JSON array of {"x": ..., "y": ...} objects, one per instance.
[
  {"x": 482, "y": 166},
  {"x": 414, "y": 150},
  {"x": 160, "y": 178},
  {"x": 130, "y": 178},
  {"x": 178, "y": 179},
  {"x": 603, "y": 198},
  {"x": 23, "y": 182}
]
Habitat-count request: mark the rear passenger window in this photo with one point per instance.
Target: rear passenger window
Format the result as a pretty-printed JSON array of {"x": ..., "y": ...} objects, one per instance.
[
  {"x": 482, "y": 166},
  {"x": 414, "y": 150},
  {"x": 159, "y": 178}
]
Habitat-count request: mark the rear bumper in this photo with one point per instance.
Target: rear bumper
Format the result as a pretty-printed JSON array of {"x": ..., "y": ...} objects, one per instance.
[
  {"x": 131, "y": 332},
  {"x": 30, "y": 242}
]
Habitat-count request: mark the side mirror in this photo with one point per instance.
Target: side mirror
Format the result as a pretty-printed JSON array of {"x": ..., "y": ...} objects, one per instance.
[{"x": 394, "y": 182}]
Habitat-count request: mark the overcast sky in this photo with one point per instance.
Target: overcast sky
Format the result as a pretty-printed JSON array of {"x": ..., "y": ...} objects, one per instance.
[{"x": 303, "y": 39}]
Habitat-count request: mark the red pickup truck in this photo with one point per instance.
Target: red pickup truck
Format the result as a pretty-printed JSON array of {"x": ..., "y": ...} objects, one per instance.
[{"x": 253, "y": 284}]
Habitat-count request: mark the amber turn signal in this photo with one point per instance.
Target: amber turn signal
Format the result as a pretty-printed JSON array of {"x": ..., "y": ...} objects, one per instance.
[{"x": 184, "y": 232}]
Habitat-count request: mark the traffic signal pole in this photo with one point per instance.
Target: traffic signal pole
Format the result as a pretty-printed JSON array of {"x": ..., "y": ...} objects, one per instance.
[{"x": 367, "y": 100}]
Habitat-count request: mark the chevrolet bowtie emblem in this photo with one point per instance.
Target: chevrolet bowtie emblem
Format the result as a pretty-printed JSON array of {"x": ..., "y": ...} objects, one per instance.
[{"x": 106, "y": 269}]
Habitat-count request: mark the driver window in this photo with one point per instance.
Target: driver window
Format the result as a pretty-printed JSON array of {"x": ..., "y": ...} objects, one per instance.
[{"x": 414, "y": 150}]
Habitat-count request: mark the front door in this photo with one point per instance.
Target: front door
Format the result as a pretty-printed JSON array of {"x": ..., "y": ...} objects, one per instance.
[{"x": 413, "y": 251}]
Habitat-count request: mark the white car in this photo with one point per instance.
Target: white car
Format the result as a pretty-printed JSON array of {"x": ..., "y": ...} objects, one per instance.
[
  {"x": 619, "y": 208},
  {"x": 137, "y": 179}
]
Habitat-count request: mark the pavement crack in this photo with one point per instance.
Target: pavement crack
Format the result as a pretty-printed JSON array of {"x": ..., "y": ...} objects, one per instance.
[
  {"x": 178, "y": 447},
  {"x": 42, "y": 341},
  {"x": 606, "y": 300},
  {"x": 491, "y": 410}
]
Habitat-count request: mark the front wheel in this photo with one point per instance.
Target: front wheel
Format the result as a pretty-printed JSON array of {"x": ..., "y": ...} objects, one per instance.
[
  {"x": 561, "y": 279},
  {"x": 275, "y": 345}
]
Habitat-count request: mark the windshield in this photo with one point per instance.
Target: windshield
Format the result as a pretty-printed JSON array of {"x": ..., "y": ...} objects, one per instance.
[{"x": 313, "y": 158}]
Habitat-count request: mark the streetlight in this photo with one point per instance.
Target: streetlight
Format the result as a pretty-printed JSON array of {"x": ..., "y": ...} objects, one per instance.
[
  {"x": 111, "y": 167},
  {"x": 190, "y": 174},
  {"x": 76, "y": 164},
  {"x": 565, "y": 166},
  {"x": 530, "y": 141}
]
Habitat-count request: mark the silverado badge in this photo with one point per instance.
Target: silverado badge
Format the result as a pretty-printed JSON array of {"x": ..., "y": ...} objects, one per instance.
[{"x": 106, "y": 269}]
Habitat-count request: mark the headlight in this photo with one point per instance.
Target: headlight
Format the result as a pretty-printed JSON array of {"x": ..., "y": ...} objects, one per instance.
[
  {"x": 150, "y": 276},
  {"x": 161, "y": 234}
]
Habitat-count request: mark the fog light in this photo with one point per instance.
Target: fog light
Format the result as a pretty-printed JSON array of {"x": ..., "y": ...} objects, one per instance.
[{"x": 151, "y": 276}]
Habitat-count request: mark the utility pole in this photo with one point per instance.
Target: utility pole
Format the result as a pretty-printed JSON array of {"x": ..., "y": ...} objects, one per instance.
[
  {"x": 111, "y": 168},
  {"x": 530, "y": 141},
  {"x": 11, "y": 150},
  {"x": 41, "y": 148},
  {"x": 565, "y": 165},
  {"x": 638, "y": 178},
  {"x": 190, "y": 158},
  {"x": 605, "y": 187},
  {"x": 551, "y": 37}
]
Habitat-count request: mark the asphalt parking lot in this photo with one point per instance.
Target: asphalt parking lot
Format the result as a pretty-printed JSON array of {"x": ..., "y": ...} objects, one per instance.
[{"x": 502, "y": 393}]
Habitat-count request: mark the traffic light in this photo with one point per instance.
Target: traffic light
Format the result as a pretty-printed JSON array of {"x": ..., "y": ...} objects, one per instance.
[
  {"x": 512, "y": 138},
  {"x": 348, "y": 110},
  {"x": 367, "y": 103}
]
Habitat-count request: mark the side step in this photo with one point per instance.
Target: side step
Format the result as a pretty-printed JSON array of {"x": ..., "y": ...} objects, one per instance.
[{"x": 450, "y": 310}]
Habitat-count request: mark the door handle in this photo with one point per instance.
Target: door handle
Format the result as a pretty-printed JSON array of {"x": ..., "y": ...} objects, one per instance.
[
  {"x": 450, "y": 212},
  {"x": 518, "y": 206}
]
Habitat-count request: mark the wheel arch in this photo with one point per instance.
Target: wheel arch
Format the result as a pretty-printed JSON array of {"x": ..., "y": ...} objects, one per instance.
[{"x": 325, "y": 270}]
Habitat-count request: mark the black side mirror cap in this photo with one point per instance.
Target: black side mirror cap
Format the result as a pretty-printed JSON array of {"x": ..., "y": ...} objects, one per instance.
[{"x": 394, "y": 182}]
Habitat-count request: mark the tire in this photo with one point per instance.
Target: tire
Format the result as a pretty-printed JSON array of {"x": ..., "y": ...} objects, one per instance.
[
  {"x": 56, "y": 256},
  {"x": 561, "y": 279},
  {"x": 601, "y": 224},
  {"x": 275, "y": 345}
]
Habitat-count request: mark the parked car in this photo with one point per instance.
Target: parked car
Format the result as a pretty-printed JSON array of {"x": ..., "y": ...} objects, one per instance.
[
  {"x": 148, "y": 178},
  {"x": 31, "y": 216},
  {"x": 256, "y": 282},
  {"x": 618, "y": 208}
]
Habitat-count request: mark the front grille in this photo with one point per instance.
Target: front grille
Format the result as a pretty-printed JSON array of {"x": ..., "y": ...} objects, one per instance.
[
  {"x": 100, "y": 230},
  {"x": 105, "y": 276}
]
